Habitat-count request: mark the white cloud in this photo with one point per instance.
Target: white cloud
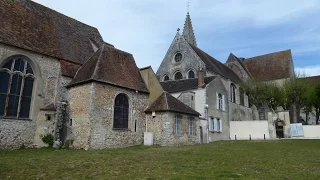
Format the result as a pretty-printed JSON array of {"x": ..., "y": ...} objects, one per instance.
[{"x": 308, "y": 71}]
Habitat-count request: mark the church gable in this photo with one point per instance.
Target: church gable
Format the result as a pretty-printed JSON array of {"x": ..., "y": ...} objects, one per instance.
[
  {"x": 180, "y": 58},
  {"x": 236, "y": 65}
]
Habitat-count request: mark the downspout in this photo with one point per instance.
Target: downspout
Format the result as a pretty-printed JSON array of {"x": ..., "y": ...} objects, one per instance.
[
  {"x": 229, "y": 110},
  {"x": 146, "y": 123}
]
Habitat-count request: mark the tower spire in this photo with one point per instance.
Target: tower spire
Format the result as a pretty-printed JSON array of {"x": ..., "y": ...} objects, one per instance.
[{"x": 188, "y": 33}]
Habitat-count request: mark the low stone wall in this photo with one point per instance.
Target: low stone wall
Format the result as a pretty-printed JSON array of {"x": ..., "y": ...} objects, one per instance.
[
  {"x": 242, "y": 130},
  {"x": 15, "y": 134}
]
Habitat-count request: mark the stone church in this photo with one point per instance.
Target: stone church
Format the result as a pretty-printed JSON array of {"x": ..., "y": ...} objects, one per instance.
[
  {"x": 58, "y": 76},
  {"x": 213, "y": 88}
]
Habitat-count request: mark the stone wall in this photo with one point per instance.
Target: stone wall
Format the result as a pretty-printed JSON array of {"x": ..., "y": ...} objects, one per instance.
[
  {"x": 15, "y": 134},
  {"x": 92, "y": 113},
  {"x": 80, "y": 100},
  {"x": 47, "y": 72},
  {"x": 163, "y": 125},
  {"x": 240, "y": 113}
]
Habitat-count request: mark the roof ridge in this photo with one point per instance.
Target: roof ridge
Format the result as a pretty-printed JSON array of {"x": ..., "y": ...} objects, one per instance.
[
  {"x": 248, "y": 59},
  {"x": 166, "y": 99},
  {"x": 96, "y": 65}
]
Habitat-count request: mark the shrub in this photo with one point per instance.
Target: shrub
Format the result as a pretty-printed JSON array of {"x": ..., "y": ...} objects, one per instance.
[{"x": 48, "y": 139}]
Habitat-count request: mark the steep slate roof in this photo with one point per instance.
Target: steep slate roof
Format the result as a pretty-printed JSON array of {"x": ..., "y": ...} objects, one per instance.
[
  {"x": 216, "y": 66},
  {"x": 270, "y": 66},
  {"x": 112, "y": 66},
  {"x": 166, "y": 102},
  {"x": 31, "y": 26},
  {"x": 184, "y": 84}
]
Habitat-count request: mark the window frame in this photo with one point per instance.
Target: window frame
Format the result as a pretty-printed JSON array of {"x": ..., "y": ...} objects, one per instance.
[
  {"x": 233, "y": 93},
  {"x": 165, "y": 78},
  {"x": 179, "y": 59},
  {"x": 178, "y": 125},
  {"x": 194, "y": 75},
  {"x": 26, "y": 80},
  {"x": 175, "y": 74},
  {"x": 122, "y": 125},
  {"x": 191, "y": 126},
  {"x": 220, "y": 101}
]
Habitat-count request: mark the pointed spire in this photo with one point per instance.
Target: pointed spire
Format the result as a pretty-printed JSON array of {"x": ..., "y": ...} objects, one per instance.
[{"x": 188, "y": 33}]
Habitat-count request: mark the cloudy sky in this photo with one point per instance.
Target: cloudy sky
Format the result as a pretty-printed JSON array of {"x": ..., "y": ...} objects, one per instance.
[{"x": 246, "y": 28}]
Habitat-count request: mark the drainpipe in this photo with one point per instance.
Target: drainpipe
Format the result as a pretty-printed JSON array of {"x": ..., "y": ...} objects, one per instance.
[
  {"x": 146, "y": 123},
  {"x": 229, "y": 109}
]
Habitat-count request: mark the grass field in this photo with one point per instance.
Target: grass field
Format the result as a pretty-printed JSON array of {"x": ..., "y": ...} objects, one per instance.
[{"x": 287, "y": 159}]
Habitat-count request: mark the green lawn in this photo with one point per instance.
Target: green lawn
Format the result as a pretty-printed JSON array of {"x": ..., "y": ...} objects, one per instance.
[{"x": 287, "y": 159}]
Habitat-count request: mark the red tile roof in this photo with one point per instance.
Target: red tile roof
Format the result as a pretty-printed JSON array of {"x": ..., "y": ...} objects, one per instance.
[
  {"x": 166, "y": 102},
  {"x": 112, "y": 66},
  {"x": 49, "y": 107},
  {"x": 273, "y": 66},
  {"x": 312, "y": 80},
  {"x": 31, "y": 26}
]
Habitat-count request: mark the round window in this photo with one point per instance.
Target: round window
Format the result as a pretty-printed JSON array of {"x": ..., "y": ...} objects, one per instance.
[{"x": 178, "y": 57}]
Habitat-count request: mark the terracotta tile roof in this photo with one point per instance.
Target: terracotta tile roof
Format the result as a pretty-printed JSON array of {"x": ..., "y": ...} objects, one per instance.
[
  {"x": 277, "y": 65},
  {"x": 29, "y": 25},
  {"x": 216, "y": 66},
  {"x": 69, "y": 69},
  {"x": 312, "y": 80},
  {"x": 112, "y": 66},
  {"x": 166, "y": 102},
  {"x": 49, "y": 107},
  {"x": 184, "y": 84}
]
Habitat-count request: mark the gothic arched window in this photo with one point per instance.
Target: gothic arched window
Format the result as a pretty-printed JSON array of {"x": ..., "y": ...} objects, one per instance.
[
  {"x": 233, "y": 93},
  {"x": 121, "y": 112},
  {"x": 166, "y": 78},
  {"x": 191, "y": 74},
  {"x": 16, "y": 80},
  {"x": 178, "y": 76}
]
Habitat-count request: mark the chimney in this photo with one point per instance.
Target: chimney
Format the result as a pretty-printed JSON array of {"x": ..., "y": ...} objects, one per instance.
[{"x": 200, "y": 78}]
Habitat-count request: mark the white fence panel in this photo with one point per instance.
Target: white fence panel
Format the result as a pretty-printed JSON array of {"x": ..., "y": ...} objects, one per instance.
[
  {"x": 311, "y": 131},
  {"x": 243, "y": 130}
]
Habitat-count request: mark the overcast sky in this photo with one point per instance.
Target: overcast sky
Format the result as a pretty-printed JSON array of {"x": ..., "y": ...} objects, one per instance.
[{"x": 246, "y": 28}]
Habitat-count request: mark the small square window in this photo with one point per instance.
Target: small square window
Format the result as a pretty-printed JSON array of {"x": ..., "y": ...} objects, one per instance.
[{"x": 48, "y": 117}]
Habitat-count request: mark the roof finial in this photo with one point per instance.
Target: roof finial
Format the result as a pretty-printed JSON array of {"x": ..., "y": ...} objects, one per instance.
[{"x": 188, "y": 6}]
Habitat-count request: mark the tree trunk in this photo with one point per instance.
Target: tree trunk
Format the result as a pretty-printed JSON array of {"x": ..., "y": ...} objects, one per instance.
[
  {"x": 307, "y": 117},
  {"x": 293, "y": 114}
]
